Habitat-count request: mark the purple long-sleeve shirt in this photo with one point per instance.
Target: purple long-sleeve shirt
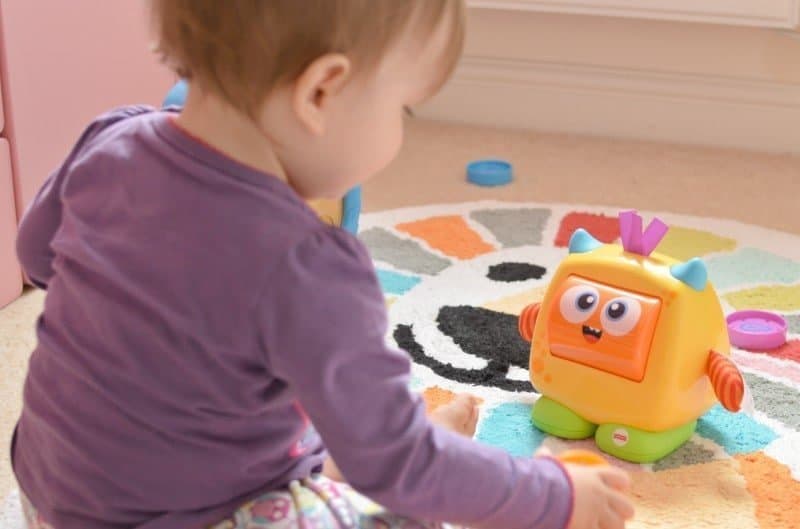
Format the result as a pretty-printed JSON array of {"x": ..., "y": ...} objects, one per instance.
[{"x": 198, "y": 315}]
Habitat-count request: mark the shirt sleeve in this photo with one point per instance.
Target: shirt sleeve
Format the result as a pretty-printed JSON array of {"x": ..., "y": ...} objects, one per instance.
[
  {"x": 43, "y": 216},
  {"x": 325, "y": 336}
]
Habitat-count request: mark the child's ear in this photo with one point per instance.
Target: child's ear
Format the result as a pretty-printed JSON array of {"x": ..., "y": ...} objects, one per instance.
[{"x": 315, "y": 87}]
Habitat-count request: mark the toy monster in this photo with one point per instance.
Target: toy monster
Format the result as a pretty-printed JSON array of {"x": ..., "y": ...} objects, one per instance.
[{"x": 629, "y": 346}]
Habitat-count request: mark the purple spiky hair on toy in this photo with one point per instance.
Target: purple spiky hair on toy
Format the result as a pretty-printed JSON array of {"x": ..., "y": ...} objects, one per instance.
[
  {"x": 642, "y": 242},
  {"x": 637, "y": 240}
]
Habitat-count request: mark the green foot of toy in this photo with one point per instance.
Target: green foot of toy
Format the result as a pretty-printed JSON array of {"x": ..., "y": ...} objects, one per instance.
[
  {"x": 639, "y": 446},
  {"x": 555, "y": 419}
]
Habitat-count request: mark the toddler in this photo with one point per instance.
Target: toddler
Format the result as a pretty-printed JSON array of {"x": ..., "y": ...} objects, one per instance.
[{"x": 200, "y": 318}]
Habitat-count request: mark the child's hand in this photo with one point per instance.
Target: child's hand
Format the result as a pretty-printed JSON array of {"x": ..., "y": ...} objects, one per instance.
[
  {"x": 600, "y": 500},
  {"x": 459, "y": 416}
]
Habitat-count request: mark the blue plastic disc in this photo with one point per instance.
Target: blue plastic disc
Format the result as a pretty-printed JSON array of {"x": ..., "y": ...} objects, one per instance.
[{"x": 489, "y": 173}]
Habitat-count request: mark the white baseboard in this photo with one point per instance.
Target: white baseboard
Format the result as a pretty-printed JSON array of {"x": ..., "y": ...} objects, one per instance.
[
  {"x": 639, "y": 104},
  {"x": 758, "y": 13}
]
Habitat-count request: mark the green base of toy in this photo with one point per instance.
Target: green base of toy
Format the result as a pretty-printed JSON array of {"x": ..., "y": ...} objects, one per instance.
[
  {"x": 555, "y": 419},
  {"x": 624, "y": 442},
  {"x": 640, "y": 446}
]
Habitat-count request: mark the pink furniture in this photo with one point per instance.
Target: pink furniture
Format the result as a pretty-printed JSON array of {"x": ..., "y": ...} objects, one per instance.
[
  {"x": 62, "y": 63},
  {"x": 10, "y": 276}
]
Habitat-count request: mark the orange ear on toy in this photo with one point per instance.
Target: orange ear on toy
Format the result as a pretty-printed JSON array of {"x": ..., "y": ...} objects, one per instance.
[
  {"x": 527, "y": 320},
  {"x": 727, "y": 381}
]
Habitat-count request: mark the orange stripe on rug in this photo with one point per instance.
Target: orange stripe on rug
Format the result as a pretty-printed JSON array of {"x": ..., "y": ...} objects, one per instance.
[
  {"x": 777, "y": 494},
  {"x": 704, "y": 496},
  {"x": 449, "y": 234}
]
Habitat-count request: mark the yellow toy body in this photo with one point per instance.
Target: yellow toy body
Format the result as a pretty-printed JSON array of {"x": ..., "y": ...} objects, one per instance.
[
  {"x": 330, "y": 211},
  {"x": 621, "y": 348}
]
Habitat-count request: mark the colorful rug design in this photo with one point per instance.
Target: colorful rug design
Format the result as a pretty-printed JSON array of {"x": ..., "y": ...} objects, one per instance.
[{"x": 456, "y": 277}]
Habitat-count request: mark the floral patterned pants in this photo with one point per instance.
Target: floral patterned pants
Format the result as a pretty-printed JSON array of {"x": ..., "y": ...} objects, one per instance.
[{"x": 312, "y": 503}]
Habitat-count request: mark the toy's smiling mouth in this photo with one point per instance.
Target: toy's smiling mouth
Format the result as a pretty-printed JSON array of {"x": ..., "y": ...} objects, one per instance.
[{"x": 591, "y": 334}]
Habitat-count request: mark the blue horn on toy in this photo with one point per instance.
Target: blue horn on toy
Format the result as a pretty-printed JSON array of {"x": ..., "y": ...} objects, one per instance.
[
  {"x": 693, "y": 272},
  {"x": 582, "y": 242}
]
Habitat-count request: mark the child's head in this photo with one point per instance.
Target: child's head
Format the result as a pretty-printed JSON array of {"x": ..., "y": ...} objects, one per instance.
[{"x": 325, "y": 80}]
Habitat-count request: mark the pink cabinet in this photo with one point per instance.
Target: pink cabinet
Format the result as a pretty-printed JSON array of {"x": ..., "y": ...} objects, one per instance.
[
  {"x": 62, "y": 63},
  {"x": 10, "y": 276}
]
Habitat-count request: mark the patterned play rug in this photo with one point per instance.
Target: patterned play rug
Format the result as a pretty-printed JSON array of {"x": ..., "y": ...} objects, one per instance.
[{"x": 457, "y": 276}]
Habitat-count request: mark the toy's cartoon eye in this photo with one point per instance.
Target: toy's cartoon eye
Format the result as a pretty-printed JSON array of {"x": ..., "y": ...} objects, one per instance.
[
  {"x": 620, "y": 316},
  {"x": 578, "y": 303}
]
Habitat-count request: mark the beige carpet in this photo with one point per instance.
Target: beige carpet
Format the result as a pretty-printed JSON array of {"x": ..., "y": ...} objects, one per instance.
[
  {"x": 759, "y": 189},
  {"x": 17, "y": 339},
  {"x": 755, "y": 188}
]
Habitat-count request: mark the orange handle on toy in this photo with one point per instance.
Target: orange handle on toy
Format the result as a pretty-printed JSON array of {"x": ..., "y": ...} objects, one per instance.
[
  {"x": 527, "y": 320},
  {"x": 582, "y": 457},
  {"x": 727, "y": 381}
]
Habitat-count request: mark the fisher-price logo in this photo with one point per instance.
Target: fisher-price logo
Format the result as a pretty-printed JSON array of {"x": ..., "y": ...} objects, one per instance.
[{"x": 620, "y": 437}]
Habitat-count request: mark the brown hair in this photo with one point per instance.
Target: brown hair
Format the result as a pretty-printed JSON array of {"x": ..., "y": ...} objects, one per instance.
[{"x": 242, "y": 49}]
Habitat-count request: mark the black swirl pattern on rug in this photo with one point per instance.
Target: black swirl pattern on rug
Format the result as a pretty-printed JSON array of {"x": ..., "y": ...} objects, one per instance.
[{"x": 484, "y": 333}]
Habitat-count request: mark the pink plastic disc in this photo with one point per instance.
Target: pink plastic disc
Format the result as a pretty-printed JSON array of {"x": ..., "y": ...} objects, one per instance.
[{"x": 756, "y": 330}]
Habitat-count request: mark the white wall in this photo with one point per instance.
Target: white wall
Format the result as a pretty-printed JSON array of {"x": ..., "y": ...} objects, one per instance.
[{"x": 674, "y": 81}]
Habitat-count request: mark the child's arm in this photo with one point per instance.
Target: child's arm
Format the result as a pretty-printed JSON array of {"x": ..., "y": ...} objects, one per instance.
[
  {"x": 43, "y": 216},
  {"x": 459, "y": 415},
  {"x": 325, "y": 326}
]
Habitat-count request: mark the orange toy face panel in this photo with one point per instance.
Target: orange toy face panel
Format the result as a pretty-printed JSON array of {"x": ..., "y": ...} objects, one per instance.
[{"x": 603, "y": 327}]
